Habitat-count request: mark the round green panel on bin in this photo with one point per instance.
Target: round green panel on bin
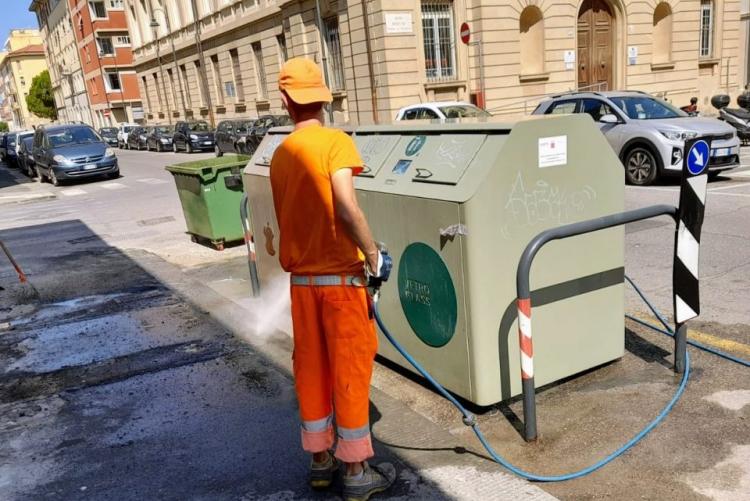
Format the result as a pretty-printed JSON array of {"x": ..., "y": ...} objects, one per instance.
[{"x": 427, "y": 295}]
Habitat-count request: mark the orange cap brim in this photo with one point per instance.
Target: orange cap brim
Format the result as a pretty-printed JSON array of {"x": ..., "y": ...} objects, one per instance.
[{"x": 310, "y": 95}]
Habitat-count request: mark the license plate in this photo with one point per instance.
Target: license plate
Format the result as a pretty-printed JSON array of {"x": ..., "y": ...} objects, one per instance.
[
  {"x": 89, "y": 166},
  {"x": 206, "y": 142},
  {"x": 720, "y": 152}
]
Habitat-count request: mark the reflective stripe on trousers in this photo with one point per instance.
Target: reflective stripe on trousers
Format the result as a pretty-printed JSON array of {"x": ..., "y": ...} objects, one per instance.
[{"x": 334, "y": 350}]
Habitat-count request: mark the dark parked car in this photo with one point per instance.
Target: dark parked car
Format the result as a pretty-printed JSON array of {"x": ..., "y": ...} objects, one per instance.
[
  {"x": 228, "y": 133},
  {"x": 13, "y": 144},
  {"x": 67, "y": 152},
  {"x": 109, "y": 134},
  {"x": 243, "y": 130},
  {"x": 3, "y": 138},
  {"x": 261, "y": 126},
  {"x": 137, "y": 138},
  {"x": 160, "y": 138},
  {"x": 192, "y": 136},
  {"x": 26, "y": 155}
]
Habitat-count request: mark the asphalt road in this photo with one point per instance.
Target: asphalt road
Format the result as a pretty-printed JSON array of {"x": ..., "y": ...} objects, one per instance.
[{"x": 133, "y": 376}]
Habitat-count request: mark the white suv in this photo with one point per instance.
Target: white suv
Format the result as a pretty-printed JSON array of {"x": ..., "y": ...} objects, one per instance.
[
  {"x": 647, "y": 133},
  {"x": 123, "y": 130}
]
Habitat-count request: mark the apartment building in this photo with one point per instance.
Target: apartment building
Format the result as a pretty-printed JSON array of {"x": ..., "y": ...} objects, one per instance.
[
  {"x": 61, "y": 51},
  {"x": 381, "y": 55},
  {"x": 104, "y": 51},
  {"x": 17, "y": 70},
  {"x": 6, "y": 115}
]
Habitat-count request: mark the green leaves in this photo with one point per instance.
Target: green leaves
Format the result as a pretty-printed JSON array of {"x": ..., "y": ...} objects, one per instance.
[{"x": 40, "y": 100}]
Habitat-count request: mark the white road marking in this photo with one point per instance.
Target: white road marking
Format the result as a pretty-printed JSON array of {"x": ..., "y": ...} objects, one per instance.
[
  {"x": 113, "y": 186},
  {"x": 151, "y": 180},
  {"x": 652, "y": 188},
  {"x": 27, "y": 196},
  {"x": 730, "y": 187},
  {"x": 745, "y": 173},
  {"x": 71, "y": 192}
]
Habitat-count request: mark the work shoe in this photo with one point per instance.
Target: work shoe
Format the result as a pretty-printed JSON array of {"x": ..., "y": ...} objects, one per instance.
[
  {"x": 373, "y": 480},
  {"x": 321, "y": 474}
]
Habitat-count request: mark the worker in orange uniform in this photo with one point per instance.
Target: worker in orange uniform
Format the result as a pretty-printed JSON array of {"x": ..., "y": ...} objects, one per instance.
[{"x": 326, "y": 244}]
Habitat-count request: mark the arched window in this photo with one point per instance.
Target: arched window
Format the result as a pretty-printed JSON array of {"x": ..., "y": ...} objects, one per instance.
[
  {"x": 662, "y": 37},
  {"x": 531, "y": 27}
]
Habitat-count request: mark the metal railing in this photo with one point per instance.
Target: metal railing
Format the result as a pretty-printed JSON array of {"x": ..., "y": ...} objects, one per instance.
[{"x": 524, "y": 296}]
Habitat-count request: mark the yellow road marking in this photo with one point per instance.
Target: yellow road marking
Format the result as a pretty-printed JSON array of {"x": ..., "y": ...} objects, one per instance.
[{"x": 702, "y": 337}]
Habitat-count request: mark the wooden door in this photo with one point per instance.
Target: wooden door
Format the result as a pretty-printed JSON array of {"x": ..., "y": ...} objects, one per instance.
[{"x": 595, "y": 45}]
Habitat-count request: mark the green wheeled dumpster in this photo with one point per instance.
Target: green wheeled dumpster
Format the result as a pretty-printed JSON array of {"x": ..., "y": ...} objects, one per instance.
[{"x": 210, "y": 192}]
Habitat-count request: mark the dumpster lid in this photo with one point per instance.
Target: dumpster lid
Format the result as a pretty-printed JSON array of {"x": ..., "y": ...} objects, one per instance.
[{"x": 208, "y": 168}]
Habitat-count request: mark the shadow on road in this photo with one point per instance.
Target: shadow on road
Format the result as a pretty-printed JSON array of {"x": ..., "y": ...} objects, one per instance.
[{"x": 114, "y": 386}]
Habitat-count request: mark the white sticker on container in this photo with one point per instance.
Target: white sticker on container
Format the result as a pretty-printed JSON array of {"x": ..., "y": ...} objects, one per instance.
[{"x": 553, "y": 151}]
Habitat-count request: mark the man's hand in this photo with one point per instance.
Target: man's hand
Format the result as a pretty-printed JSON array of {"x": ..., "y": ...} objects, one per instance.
[{"x": 379, "y": 273}]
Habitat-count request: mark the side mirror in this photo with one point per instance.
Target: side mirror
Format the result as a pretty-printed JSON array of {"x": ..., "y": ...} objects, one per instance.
[{"x": 609, "y": 119}]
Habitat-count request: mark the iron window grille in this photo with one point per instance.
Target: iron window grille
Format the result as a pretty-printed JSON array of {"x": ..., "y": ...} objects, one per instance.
[
  {"x": 260, "y": 71},
  {"x": 707, "y": 28},
  {"x": 335, "y": 59},
  {"x": 439, "y": 40}
]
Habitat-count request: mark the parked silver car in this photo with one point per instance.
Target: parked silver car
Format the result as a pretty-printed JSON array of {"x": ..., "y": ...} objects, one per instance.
[{"x": 647, "y": 133}]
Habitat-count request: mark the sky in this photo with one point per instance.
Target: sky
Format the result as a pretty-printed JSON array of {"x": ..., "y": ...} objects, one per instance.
[{"x": 15, "y": 14}]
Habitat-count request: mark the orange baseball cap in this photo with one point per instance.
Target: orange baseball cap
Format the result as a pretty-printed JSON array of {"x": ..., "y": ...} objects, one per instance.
[{"x": 303, "y": 82}]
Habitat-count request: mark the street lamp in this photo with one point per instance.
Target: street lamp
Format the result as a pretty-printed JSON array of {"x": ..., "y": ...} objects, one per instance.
[{"x": 154, "y": 24}]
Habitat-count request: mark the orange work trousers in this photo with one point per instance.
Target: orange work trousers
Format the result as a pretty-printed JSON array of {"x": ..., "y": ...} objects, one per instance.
[{"x": 334, "y": 351}]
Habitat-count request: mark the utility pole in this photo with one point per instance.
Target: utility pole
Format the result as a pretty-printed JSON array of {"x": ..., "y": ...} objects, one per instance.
[
  {"x": 204, "y": 81},
  {"x": 155, "y": 24},
  {"x": 324, "y": 56}
]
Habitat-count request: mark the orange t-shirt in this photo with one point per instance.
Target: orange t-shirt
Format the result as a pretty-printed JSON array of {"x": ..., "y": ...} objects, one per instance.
[{"x": 312, "y": 239}]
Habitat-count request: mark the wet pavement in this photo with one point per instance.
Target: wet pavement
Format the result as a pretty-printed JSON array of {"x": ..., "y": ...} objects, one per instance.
[{"x": 139, "y": 367}]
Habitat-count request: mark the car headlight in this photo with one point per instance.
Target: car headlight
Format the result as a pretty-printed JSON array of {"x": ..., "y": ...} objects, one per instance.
[
  {"x": 109, "y": 152},
  {"x": 193, "y": 137},
  {"x": 674, "y": 135},
  {"x": 60, "y": 159}
]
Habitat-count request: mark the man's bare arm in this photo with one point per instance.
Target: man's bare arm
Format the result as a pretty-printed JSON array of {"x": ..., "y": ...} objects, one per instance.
[{"x": 348, "y": 211}]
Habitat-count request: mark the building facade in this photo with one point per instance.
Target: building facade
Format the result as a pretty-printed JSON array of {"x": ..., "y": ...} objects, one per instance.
[
  {"x": 61, "y": 50},
  {"x": 381, "y": 55},
  {"x": 17, "y": 70},
  {"x": 104, "y": 50}
]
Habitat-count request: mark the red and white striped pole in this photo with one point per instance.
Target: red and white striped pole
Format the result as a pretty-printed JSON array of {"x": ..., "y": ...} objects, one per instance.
[{"x": 527, "y": 368}]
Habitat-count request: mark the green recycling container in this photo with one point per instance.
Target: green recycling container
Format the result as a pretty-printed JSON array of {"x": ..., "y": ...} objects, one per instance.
[{"x": 210, "y": 192}]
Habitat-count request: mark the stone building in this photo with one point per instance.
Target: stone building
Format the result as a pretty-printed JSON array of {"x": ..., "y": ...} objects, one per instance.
[
  {"x": 384, "y": 54},
  {"x": 65, "y": 70},
  {"x": 24, "y": 59}
]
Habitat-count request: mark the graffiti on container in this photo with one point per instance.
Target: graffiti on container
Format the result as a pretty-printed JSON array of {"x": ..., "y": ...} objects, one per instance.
[{"x": 542, "y": 203}]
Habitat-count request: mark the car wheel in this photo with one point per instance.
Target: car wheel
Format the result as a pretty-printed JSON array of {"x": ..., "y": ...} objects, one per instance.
[
  {"x": 641, "y": 168},
  {"x": 219, "y": 153},
  {"x": 53, "y": 178},
  {"x": 188, "y": 148}
]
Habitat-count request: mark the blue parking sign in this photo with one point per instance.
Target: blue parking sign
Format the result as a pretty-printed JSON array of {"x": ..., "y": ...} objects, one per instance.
[{"x": 698, "y": 157}]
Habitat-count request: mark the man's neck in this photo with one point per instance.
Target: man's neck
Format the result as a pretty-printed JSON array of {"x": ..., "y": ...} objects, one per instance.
[{"x": 307, "y": 122}]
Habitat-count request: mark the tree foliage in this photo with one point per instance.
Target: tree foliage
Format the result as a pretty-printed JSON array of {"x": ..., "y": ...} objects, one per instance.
[
  {"x": 40, "y": 100},
  {"x": 4, "y": 127}
]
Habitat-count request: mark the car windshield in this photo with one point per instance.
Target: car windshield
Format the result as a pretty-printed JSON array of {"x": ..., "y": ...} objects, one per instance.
[
  {"x": 68, "y": 137},
  {"x": 28, "y": 141},
  {"x": 646, "y": 108},
  {"x": 108, "y": 131},
  {"x": 462, "y": 111},
  {"x": 199, "y": 127},
  {"x": 283, "y": 120},
  {"x": 163, "y": 129},
  {"x": 128, "y": 128}
]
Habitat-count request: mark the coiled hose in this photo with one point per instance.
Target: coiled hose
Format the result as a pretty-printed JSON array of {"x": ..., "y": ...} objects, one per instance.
[{"x": 470, "y": 420}]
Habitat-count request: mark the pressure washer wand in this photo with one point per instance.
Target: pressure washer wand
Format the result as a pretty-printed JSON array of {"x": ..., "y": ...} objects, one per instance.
[{"x": 29, "y": 291}]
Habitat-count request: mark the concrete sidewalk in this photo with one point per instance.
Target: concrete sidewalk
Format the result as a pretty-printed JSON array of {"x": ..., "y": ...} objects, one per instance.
[{"x": 130, "y": 379}]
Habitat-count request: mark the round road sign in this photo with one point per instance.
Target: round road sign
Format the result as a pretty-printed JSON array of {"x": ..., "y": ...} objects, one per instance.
[{"x": 465, "y": 33}]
